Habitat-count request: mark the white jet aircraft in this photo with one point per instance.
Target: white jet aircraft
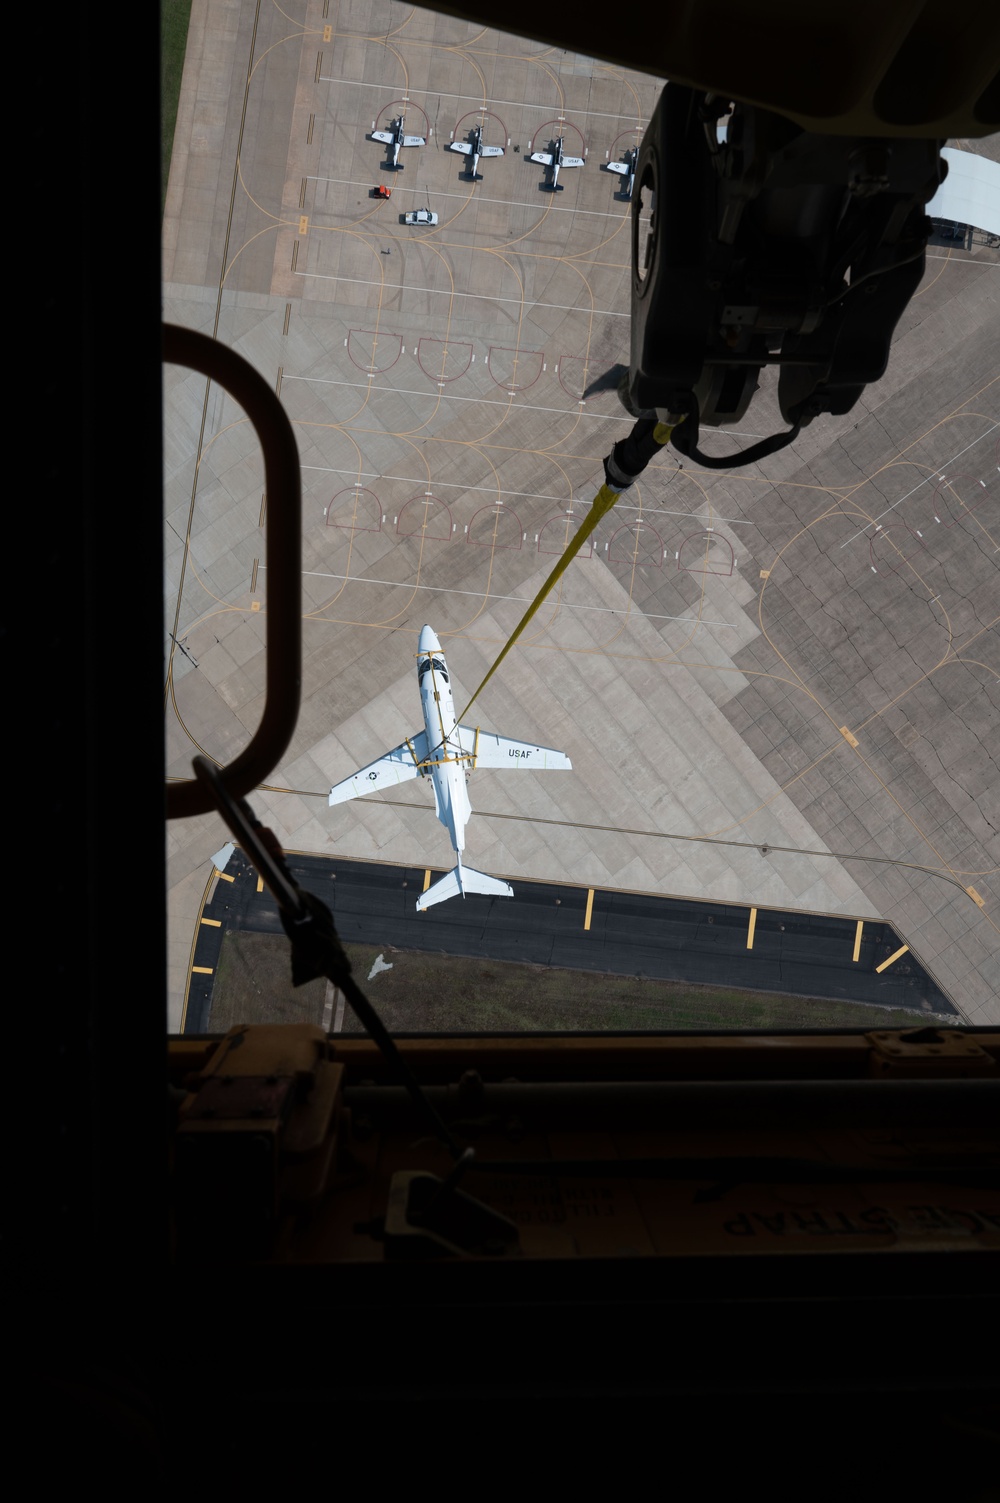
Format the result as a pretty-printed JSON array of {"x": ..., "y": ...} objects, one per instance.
[
  {"x": 475, "y": 149},
  {"x": 445, "y": 752},
  {"x": 626, "y": 170},
  {"x": 394, "y": 138},
  {"x": 555, "y": 159}
]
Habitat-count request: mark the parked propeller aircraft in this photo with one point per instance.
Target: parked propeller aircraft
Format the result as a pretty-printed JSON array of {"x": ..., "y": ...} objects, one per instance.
[
  {"x": 555, "y": 159},
  {"x": 475, "y": 149},
  {"x": 626, "y": 170},
  {"x": 446, "y": 752},
  {"x": 393, "y": 138}
]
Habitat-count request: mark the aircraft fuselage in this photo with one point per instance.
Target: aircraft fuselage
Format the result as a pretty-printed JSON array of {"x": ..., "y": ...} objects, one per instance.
[
  {"x": 477, "y": 146},
  {"x": 555, "y": 159},
  {"x": 445, "y": 752},
  {"x": 395, "y": 137},
  {"x": 446, "y": 763}
]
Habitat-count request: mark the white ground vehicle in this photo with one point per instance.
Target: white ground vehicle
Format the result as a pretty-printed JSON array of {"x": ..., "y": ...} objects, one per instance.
[{"x": 420, "y": 216}]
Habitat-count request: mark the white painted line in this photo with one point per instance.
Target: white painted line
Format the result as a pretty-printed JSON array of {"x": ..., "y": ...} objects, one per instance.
[
  {"x": 520, "y": 104},
  {"x": 508, "y": 203},
  {"x": 607, "y": 610},
  {"x": 968, "y": 260},
  {"x": 455, "y": 485},
  {"x": 433, "y": 396},
  {"x": 486, "y": 297}
]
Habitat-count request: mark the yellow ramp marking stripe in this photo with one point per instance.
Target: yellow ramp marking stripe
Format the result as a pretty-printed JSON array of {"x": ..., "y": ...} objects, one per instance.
[
  {"x": 215, "y": 923},
  {"x": 590, "y": 908},
  {"x": 857, "y": 940},
  {"x": 202, "y": 970},
  {"x": 973, "y": 894},
  {"x": 886, "y": 963},
  {"x": 851, "y": 740},
  {"x": 427, "y": 879},
  {"x": 753, "y": 925},
  {"x": 260, "y": 884},
  {"x": 223, "y": 876}
]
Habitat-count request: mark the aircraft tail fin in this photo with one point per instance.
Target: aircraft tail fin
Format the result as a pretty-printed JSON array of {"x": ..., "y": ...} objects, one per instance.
[{"x": 462, "y": 880}]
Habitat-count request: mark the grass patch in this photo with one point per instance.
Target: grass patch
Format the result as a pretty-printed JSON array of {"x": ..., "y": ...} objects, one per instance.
[
  {"x": 433, "y": 993},
  {"x": 175, "y": 17},
  {"x": 253, "y": 984}
]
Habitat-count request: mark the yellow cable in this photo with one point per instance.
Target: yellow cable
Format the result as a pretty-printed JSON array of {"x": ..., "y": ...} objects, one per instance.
[{"x": 601, "y": 505}]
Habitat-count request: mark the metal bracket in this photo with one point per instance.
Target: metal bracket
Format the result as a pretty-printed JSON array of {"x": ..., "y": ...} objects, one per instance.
[
  {"x": 947, "y": 1052},
  {"x": 427, "y": 1217}
]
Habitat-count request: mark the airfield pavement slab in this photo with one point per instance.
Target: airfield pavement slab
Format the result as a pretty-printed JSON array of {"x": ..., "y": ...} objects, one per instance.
[{"x": 801, "y": 653}]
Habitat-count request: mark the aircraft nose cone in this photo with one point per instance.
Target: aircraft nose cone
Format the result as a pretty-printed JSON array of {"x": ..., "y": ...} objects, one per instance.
[{"x": 428, "y": 640}]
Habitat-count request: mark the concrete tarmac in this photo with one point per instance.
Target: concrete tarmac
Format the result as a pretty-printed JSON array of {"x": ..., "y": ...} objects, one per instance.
[{"x": 802, "y": 653}]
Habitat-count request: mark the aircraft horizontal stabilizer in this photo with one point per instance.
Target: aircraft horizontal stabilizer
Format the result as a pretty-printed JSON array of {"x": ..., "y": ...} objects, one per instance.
[{"x": 464, "y": 879}]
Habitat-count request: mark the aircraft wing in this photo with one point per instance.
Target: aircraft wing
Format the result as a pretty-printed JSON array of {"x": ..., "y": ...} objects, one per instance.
[
  {"x": 572, "y": 161},
  {"x": 383, "y": 135},
  {"x": 462, "y": 146},
  {"x": 489, "y": 750},
  {"x": 545, "y": 157},
  {"x": 622, "y": 168},
  {"x": 491, "y": 151},
  {"x": 396, "y": 766},
  {"x": 414, "y": 140}
]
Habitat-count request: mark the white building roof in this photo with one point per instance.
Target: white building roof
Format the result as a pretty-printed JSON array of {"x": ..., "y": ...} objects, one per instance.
[{"x": 970, "y": 194}]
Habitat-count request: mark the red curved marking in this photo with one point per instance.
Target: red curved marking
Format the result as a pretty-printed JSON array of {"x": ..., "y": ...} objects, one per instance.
[
  {"x": 483, "y": 115},
  {"x": 568, "y": 526},
  {"x": 380, "y": 344},
  {"x": 370, "y": 501},
  {"x": 562, "y": 128},
  {"x": 424, "y": 514},
  {"x": 572, "y": 375},
  {"x": 403, "y": 107},
  {"x": 887, "y": 557},
  {"x": 500, "y": 516},
  {"x": 634, "y": 138},
  {"x": 444, "y": 349},
  {"x": 634, "y": 531},
  {"x": 523, "y": 360},
  {"x": 947, "y": 505},
  {"x": 699, "y": 568}
]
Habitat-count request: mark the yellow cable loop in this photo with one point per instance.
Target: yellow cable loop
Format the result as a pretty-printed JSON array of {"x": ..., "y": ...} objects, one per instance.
[{"x": 601, "y": 505}]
